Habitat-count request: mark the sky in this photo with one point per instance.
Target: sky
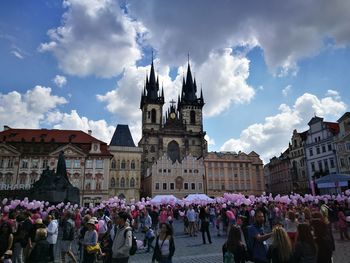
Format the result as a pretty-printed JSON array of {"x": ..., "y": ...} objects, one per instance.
[{"x": 265, "y": 67}]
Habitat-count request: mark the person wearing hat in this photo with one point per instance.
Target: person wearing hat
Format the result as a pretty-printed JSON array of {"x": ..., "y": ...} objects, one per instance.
[
  {"x": 90, "y": 239},
  {"x": 122, "y": 240}
]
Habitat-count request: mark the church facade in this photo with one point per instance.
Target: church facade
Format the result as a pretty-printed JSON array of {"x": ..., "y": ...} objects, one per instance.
[{"x": 177, "y": 133}]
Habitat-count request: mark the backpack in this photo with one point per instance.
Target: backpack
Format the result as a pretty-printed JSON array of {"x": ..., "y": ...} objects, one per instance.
[
  {"x": 228, "y": 257},
  {"x": 133, "y": 248},
  {"x": 68, "y": 231}
]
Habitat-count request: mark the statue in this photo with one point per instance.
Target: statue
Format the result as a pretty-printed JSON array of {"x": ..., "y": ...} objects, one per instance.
[{"x": 55, "y": 187}]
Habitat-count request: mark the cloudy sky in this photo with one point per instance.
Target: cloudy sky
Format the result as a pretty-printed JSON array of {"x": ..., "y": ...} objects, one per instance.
[{"x": 265, "y": 67}]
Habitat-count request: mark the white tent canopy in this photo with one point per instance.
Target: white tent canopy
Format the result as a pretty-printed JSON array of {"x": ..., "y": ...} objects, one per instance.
[
  {"x": 164, "y": 199},
  {"x": 198, "y": 198}
]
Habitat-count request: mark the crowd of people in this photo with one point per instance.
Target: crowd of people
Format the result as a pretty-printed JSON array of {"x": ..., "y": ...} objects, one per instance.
[{"x": 291, "y": 229}]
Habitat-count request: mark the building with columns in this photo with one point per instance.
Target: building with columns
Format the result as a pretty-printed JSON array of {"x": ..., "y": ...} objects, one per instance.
[
  {"x": 125, "y": 170},
  {"x": 233, "y": 172},
  {"x": 25, "y": 153},
  {"x": 176, "y": 134}
]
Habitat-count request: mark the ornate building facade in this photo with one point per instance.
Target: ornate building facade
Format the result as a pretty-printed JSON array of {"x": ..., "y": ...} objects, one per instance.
[
  {"x": 342, "y": 144},
  {"x": 125, "y": 169},
  {"x": 300, "y": 182},
  {"x": 233, "y": 172},
  {"x": 25, "y": 153},
  {"x": 179, "y": 132}
]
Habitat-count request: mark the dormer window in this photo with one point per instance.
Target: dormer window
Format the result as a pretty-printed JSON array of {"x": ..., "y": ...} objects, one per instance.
[{"x": 95, "y": 147}]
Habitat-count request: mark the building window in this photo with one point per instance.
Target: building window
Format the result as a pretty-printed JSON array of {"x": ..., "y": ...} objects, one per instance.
[
  {"x": 68, "y": 163},
  {"x": 160, "y": 171},
  {"x": 89, "y": 164},
  {"x": 311, "y": 152},
  {"x": 313, "y": 167},
  {"x": 122, "y": 182},
  {"x": 200, "y": 186},
  {"x": 323, "y": 148},
  {"x": 88, "y": 186},
  {"x": 98, "y": 186},
  {"x": 186, "y": 186},
  {"x": 76, "y": 164},
  {"x": 1, "y": 163},
  {"x": 113, "y": 164},
  {"x": 45, "y": 163},
  {"x": 172, "y": 186},
  {"x": 325, "y": 162},
  {"x": 157, "y": 186},
  {"x": 193, "y": 186},
  {"x": 132, "y": 182},
  {"x": 185, "y": 171},
  {"x": 329, "y": 147},
  {"x": 10, "y": 163},
  {"x": 132, "y": 165},
  {"x": 342, "y": 162},
  {"x": 153, "y": 116},
  {"x": 8, "y": 179},
  {"x": 24, "y": 163},
  {"x": 192, "y": 117},
  {"x": 164, "y": 186},
  {"x": 331, "y": 161},
  {"x": 99, "y": 164},
  {"x": 318, "y": 150},
  {"x": 123, "y": 164},
  {"x": 152, "y": 150},
  {"x": 320, "y": 166},
  {"x": 35, "y": 163},
  {"x": 112, "y": 182},
  {"x": 348, "y": 146}
]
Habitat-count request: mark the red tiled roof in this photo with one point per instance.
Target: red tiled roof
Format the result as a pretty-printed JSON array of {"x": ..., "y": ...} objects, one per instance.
[
  {"x": 46, "y": 135},
  {"x": 333, "y": 127}
]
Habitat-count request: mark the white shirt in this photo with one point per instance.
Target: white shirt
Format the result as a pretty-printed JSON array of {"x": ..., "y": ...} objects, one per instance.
[{"x": 52, "y": 232}]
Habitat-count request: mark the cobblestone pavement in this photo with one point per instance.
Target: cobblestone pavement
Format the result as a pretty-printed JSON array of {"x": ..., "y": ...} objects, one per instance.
[{"x": 191, "y": 249}]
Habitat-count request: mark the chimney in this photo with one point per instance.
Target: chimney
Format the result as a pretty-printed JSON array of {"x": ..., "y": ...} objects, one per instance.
[
  {"x": 6, "y": 128},
  {"x": 89, "y": 132}
]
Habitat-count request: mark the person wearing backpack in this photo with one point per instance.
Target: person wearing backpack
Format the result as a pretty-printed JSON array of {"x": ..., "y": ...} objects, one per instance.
[
  {"x": 122, "y": 240},
  {"x": 67, "y": 237},
  {"x": 234, "y": 251},
  {"x": 165, "y": 246}
]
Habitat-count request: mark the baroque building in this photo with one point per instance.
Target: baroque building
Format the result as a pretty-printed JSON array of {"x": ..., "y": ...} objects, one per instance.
[
  {"x": 125, "y": 169},
  {"x": 233, "y": 172},
  {"x": 176, "y": 134},
  {"x": 342, "y": 144},
  {"x": 25, "y": 153}
]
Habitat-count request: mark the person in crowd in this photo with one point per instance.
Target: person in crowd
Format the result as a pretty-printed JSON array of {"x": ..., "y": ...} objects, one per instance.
[
  {"x": 342, "y": 224},
  {"x": 7, "y": 257},
  {"x": 165, "y": 246},
  {"x": 122, "y": 239},
  {"x": 41, "y": 249},
  {"x": 290, "y": 225},
  {"x": 280, "y": 250},
  {"x": 305, "y": 250},
  {"x": 257, "y": 239},
  {"x": 150, "y": 236},
  {"x": 6, "y": 238},
  {"x": 90, "y": 239},
  {"x": 154, "y": 216},
  {"x": 191, "y": 217},
  {"x": 67, "y": 237},
  {"x": 324, "y": 242},
  {"x": 234, "y": 251},
  {"x": 19, "y": 241},
  {"x": 28, "y": 230},
  {"x": 147, "y": 224},
  {"x": 204, "y": 217},
  {"x": 52, "y": 233}
]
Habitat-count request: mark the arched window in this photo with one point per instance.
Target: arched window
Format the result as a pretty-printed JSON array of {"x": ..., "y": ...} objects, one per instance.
[
  {"x": 112, "y": 182},
  {"x": 132, "y": 165},
  {"x": 132, "y": 182},
  {"x": 174, "y": 151},
  {"x": 88, "y": 186},
  {"x": 127, "y": 182},
  {"x": 113, "y": 164},
  {"x": 122, "y": 182},
  {"x": 123, "y": 164},
  {"x": 193, "y": 117},
  {"x": 117, "y": 183},
  {"x": 153, "y": 116},
  {"x": 98, "y": 186}
]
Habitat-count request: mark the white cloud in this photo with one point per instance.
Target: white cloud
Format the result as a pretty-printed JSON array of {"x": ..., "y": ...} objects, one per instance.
[
  {"x": 211, "y": 141},
  {"x": 286, "y": 31},
  {"x": 286, "y": 91},
  {"x": 100, "y": 129},
  {"x": 17, "y": 54},
  {"x": 29, "y": 109},
  {"x": 60, "y": 81},
  {"x": 95, "y": 38},
  {"x": 271, "y": 137}
]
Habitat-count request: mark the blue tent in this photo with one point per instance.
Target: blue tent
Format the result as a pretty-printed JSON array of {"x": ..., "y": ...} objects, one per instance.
[{"x": 333, "y": 180}]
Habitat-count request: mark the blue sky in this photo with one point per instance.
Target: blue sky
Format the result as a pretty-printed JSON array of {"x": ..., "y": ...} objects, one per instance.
[{"x": 265, "y": 68}]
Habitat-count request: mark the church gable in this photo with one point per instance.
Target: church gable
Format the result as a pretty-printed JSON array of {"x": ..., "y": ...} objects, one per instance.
[
  {"x": 69, "y": 151},
  {"x": 8, "y": 150}
]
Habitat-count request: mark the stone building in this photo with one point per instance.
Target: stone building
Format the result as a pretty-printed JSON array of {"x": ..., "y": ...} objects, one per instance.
[
  {"x": 179, "y": 132},
  {"x": 300, "y": 182},
  {"x": 233, "y": 172},
  {"x": 320, "y": 153},
  {"x": 25, "y": 153},
  {"x": 178, "y": 178},
  {"x": 125, "y": 170},
  {"x": 342, "y": 144},
  {"x": 280, "y": 174}
]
